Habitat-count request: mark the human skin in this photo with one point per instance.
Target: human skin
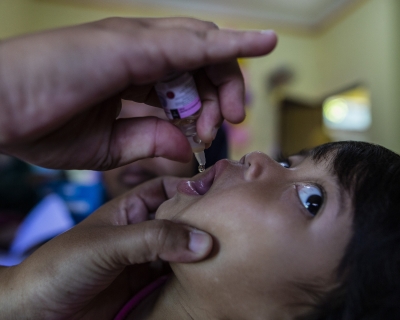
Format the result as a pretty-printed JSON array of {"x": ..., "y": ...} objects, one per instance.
[
  {"x": 120, "y": 180},
  {"x": 267, "y": 245},
  {"x": 60, "y": 94},
  {"x": 89, "y": 271},
  {"x": 61, "y": 90}
]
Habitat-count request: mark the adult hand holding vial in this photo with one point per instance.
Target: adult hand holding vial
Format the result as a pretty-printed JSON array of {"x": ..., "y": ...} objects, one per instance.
[
  {"x": 61, "y": 112},
  {"x": 181, "y": 103}
]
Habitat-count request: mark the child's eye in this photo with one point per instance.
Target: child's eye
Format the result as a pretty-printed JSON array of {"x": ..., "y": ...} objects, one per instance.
[
  {"x": 284, "y": 162},
  {"x": 311, "y": 197}
]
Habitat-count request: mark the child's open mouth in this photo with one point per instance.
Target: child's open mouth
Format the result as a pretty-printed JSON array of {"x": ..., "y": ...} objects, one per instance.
[{"x": 200, "y": 185}]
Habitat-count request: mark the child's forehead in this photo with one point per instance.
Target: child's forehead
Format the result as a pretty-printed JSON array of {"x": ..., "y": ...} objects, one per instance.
[
  {"x": 310, "y": 155},
  {"x": 326, "y": 157}
]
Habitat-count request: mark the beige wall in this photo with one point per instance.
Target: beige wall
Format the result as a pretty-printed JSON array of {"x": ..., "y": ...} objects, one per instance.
[
  {"x": 363, "y": 46},
  {"x": 22, "y": 16},
  {"x": 298, "y": 53},
  {"x": 12, "y": 18}
]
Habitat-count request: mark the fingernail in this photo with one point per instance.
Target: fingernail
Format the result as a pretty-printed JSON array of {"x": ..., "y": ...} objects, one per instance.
[
  {"x": 268, "y": 32},
  {"x": 199, "y": 241}
]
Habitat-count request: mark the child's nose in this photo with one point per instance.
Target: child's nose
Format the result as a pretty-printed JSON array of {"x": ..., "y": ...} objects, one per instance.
[{"x": 257, "y": 163}]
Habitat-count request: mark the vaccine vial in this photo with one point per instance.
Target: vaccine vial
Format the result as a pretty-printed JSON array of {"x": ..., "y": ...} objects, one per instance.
[{"x": 181, "y": 102}]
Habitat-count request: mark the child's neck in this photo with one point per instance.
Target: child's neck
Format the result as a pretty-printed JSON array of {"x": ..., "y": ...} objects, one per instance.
[
  {"x": 174, "y": 302},
  {"x": 167, "y": 303}
]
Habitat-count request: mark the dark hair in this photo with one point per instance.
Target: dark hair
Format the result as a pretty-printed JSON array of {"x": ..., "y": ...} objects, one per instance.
[{"x": 369, "y": 272}]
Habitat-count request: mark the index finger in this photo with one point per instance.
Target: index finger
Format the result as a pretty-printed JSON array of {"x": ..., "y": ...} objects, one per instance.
[
  {"x": 224, "y": 98},
  {"x": 181, "y": 48}
]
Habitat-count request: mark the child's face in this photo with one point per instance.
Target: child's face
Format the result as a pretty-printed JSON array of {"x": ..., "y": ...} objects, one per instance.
[{"x": 273, "y": 226}]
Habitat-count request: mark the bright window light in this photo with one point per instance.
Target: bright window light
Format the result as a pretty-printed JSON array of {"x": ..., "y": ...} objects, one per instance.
[{"x": 349, "y": 111}]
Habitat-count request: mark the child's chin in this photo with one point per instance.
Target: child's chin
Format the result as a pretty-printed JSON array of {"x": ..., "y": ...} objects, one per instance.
[{"x": 163, "y": 211}]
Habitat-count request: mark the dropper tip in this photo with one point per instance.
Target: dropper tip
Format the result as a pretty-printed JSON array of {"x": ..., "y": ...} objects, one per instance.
[{"x": 201, "y": 159}]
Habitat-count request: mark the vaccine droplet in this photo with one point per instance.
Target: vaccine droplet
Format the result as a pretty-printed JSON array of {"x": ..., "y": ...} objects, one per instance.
[{"x": 201, "y": 168}]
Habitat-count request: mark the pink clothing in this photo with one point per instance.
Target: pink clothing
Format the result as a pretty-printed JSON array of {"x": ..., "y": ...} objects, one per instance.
[{"x": 137, "y": 298}]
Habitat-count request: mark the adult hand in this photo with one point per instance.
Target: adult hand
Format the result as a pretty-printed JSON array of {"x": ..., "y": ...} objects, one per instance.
[
  {"x": 61, "y": 90},
  {"x": 83, "y": 273}
]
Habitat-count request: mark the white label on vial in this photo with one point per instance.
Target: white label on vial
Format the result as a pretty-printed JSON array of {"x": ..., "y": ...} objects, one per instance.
[{"x": 179, "y": 98}]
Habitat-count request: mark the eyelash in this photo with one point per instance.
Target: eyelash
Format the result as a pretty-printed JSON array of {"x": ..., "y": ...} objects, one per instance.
[{"x": 282, "y": 159}]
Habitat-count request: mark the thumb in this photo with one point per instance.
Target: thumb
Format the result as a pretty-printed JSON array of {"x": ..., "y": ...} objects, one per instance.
[
  {"x": 160, "y": 239},
  {"x": 137, "y": 138}
]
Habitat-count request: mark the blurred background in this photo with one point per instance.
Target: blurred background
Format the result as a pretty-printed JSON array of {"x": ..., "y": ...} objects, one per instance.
[{"x": 334, "y": 75}]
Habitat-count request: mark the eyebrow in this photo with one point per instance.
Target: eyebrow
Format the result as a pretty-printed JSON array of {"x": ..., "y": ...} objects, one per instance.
[
  {"x": 305, "y": 153},
  {"x": 342, "y": 198}
]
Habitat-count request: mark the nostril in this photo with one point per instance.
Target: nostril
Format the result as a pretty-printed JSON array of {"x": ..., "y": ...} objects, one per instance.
[
  {"x": 254, "y": 170},
  {"x": 243, "y": 159}
]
